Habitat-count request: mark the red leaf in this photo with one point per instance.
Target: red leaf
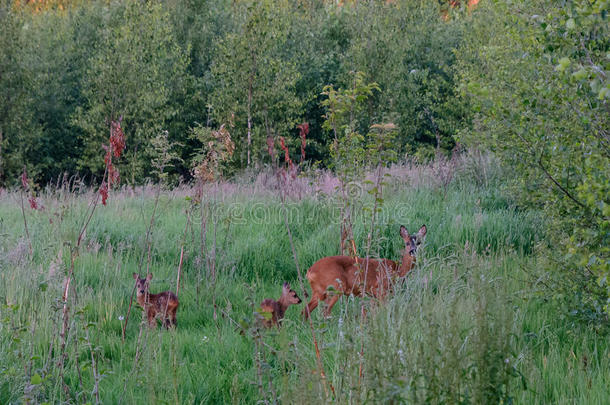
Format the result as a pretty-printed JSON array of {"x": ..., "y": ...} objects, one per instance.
[
  {"x": 117, "y": 138},
  {"x": 104, "y": 192},
  {"x": 33, "y": 203}
]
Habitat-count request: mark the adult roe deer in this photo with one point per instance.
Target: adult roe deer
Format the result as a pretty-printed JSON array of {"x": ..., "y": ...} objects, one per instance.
[
  {"x": 162, "y": 305},
  {"x": 350, "y": 275},
  {"x": 278, "y": 308}
]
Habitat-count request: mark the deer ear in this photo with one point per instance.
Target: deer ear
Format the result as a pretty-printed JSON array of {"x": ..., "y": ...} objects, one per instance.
[
  {"x": 286, "y": 286},
  {"x": 135, "y": 276},
  {"x": 404, "y": 233},
  {"x": 422, "y": 231},
  {"x": 149, "y": 276}
]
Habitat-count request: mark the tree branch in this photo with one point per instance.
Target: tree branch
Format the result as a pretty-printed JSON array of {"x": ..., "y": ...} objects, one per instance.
[{"x": 566, "y": 192}]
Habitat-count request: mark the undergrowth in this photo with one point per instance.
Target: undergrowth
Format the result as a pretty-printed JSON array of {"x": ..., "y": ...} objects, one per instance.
[{"x": 470, "y": 324}]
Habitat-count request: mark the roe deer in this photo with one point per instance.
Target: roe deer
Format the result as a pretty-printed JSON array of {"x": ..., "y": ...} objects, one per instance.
[
  {"x": 349, "y": 275},
  {"x": 278, "y": 308},
  {"x": 163, "y": 305}
]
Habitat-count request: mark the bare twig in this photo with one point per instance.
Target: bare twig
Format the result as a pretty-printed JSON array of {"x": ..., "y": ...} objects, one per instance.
[
  {"x": 148, "y": 245},
  {"x": 212, "y": 260},
  {"x": 378, "y": 193},
  {"x": 25, "y": 225},
  {"x": 96, "y": 376},
  {"x": 566, "y": 192}
]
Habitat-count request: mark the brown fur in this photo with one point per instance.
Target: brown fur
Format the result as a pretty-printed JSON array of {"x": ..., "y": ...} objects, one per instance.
[
  {"x": 350, "y": 275},
  {"x": 278, "y": 308},
  {"x": 162, "y": 305}
]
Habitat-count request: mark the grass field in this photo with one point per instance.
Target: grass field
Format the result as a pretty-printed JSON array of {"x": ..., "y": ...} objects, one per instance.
[{"x": 470, "y": 324}]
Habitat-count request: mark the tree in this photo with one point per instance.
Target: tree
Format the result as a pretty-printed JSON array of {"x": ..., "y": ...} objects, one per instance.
[
  {"x": 17, "y": 127},
  {"x": 134, "y": 73},
  {"x": 255, "y": 85},
  {"x": 539, "y": 88}
]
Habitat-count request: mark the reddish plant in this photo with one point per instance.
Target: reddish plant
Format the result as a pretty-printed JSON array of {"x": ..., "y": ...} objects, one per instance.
[
  {"x": 290, "y": 169},
  {"x": 25, "y": 183},
  {"x": 33, "y": 203},
  {"x": 286, "y": 153},
  {"x": 117, "y": 138},
  {"x": 113, "y": 175},
  {"x": 115, "y": 148},
  {"x": 104, "y": 192}
]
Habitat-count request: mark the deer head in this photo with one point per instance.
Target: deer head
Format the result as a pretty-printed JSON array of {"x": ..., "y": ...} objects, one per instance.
[
  {"x": 412, "y": 242},
  {"x": 289, "y": 296},
  {"x": 142, "y": 284}
]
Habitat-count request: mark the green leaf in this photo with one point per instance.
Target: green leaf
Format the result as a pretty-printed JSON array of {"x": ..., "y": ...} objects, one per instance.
[
  {"x": 570, "y": 24},
  {"x": 564, "y": 63},
  {"x": 36, "y": 379},
  {"x": 580, "y": 74},
  {"x": 265, "y": 314}
]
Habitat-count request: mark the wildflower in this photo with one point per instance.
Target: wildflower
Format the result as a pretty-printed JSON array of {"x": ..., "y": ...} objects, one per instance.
[
  {"x": 401, "y": 355},
  {"x": 205, "y": 339},
  {"x": 121, "y": 318}
]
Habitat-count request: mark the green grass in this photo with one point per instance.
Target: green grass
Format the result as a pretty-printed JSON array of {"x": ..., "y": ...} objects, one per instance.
[{"x": 471, "y": 324}]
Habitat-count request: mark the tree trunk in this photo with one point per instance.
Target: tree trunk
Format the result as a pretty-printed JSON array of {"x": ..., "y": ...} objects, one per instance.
[{"x": 249, "y": 118}]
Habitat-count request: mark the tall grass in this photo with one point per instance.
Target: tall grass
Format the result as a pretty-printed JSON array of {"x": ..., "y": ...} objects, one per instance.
[{"x": 471, "y": 324}]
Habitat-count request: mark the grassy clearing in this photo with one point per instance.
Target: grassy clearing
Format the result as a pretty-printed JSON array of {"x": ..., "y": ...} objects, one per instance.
[{"x": 470, "y": 324}]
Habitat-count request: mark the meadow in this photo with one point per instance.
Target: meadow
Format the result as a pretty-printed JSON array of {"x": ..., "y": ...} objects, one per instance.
[{"x": 472, "y": 323}]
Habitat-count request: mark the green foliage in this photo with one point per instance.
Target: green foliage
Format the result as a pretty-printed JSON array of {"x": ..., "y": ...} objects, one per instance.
[
  {"x": 537, "y": 88},
  {"x": 260, "y": 66},
  {"x": 255, "y": 89},
  {"x": 410, "y": 52},
  {"x": 135, "y": 69},
  {"x": 18, "y": 130},
  {"x": 217, "y": 150},
  {"x": 344, "y": 107},
  {"x": 164, "y": 156}
]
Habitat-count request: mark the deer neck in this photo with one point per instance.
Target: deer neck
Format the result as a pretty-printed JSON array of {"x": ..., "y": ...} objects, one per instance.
[
  {"x": 282, "y": 307},
  {"x": 406, "y": 264},
  {"x": 141, "y": 298}
]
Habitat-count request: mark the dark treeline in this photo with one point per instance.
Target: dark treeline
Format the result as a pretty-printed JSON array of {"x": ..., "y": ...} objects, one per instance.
[{"x": 67, "y": 70}]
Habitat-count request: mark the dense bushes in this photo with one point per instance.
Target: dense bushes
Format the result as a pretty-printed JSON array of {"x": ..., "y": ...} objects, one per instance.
[
  {"x": 537, "y": 77},
  {"x": 258, "y": 67}
]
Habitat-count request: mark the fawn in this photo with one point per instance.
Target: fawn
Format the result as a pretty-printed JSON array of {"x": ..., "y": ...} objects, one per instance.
[
  {"x": 353, "y": 275},
  {"x": 278, "y": 308},
  {"x": 163, "y": 305}
]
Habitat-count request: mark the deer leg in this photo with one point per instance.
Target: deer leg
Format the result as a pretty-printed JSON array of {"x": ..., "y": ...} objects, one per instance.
[
  {"x": 173, "y": 320},
  {"x": 165, "y": 318},
  {"x": 152, "y": 322},
  {"x": 313, "y": 304},
  {"x": 330, "y": 302}
]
